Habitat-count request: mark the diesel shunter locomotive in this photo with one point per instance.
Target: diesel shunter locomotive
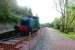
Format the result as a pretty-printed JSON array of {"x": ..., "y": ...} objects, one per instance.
[{"x": 27, "y": 25}]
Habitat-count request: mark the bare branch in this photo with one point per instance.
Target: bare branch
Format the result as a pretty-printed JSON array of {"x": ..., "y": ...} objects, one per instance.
[
  {"x": 59, "y": 6},
  {"x": 56, "y": 4}
]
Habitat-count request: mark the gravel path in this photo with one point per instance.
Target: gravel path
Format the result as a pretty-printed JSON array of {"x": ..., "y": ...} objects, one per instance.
[{"x": 52, "y": 40}]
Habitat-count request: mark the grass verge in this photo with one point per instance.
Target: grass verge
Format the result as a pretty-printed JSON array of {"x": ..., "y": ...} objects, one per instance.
[{"x": 70, "y": 35}]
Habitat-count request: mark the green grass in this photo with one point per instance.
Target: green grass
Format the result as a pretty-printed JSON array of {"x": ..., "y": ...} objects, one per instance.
[{"x": 70, "y": 35}]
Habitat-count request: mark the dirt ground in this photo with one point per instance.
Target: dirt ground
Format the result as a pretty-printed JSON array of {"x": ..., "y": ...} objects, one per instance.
[{"x": 52, "y": 40}]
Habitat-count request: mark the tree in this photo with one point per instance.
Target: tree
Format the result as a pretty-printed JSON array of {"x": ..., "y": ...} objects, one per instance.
[
  {"x": 70, "y": 18},
  {"x": 24, "y": 11},
  {"x": 56, "y": 23},
  {"x": 68, "y": 15},
  {"x": 4, "y": 10},
  {"x": 61, "y": 6},
  {"x": 9, "y": 11}
]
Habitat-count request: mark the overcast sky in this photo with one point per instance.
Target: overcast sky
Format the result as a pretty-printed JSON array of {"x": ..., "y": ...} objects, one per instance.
[{"x": 45, "y": 9}]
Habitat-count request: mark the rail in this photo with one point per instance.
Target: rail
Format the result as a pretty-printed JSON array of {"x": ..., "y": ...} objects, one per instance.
[{"x": 7, "y": 34}]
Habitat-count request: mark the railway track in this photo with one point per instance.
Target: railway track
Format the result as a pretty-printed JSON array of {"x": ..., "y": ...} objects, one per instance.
[
  {"x": 10, "y": 34},
  {"x": 6, "y": 35}
]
